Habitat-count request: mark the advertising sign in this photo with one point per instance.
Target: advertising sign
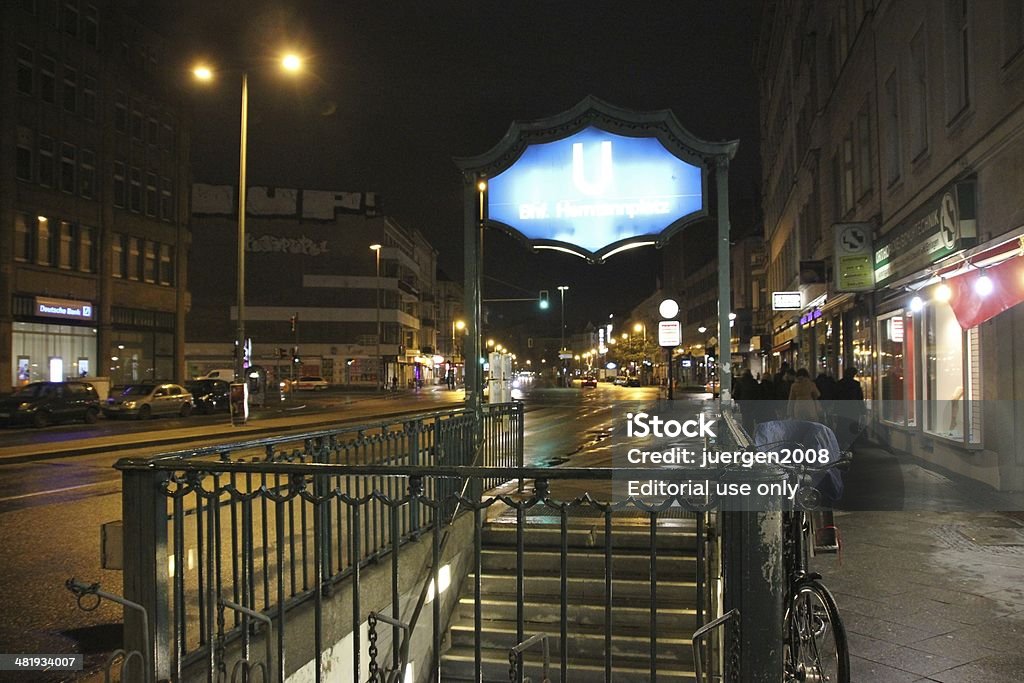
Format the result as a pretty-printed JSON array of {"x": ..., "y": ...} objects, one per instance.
[
  {"x": 669, "y": 333},
  {"x": 944, "y": 224},
  {"x": 66, "y": 309},
  {"x": 594, "y": 192},
  {"x": 853, "y": 270},
  {"x": 787, "y": 301}
]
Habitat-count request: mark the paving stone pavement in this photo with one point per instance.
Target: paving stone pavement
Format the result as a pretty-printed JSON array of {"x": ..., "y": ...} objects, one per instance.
[{"x": 925, "y": 596}]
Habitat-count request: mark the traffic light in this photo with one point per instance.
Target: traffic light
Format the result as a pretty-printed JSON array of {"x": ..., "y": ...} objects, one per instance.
[
  {"x": 293, "y": 320},
  {"x": 295, "y": 355},
  {"x": 542, "y": 300}
]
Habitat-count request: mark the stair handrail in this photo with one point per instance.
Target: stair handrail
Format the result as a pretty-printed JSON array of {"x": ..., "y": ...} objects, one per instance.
[
  {"x": 699, "y": 634},
  {"x": 515, "y": 654}
]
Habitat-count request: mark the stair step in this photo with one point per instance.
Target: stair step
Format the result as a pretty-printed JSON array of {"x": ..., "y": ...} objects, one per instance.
[
  {"x": 682, "y": 537},
  {"x": 636, "y": 565},
  {"x": 581, "y": 587},
  {"x": 585, "y": 641},
  {"x": 672, "y": 618},
  {"x": 458, "y": 664}
]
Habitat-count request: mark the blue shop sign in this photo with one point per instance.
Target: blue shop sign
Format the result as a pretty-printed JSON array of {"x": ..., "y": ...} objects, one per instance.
[{"x": 595, "y": 192}]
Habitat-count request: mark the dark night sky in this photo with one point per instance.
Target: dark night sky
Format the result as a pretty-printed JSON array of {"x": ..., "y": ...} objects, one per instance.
[{"x": 397, "y": 89}]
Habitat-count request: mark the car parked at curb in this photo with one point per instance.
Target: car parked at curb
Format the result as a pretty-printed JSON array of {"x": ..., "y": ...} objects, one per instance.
[
  {"x": 44, "y": 403},
  {"x": 148, "y": 399},
  {"x": 209, "y": 395}
]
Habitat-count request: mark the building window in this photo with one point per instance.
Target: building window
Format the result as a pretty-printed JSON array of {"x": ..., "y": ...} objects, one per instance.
[
  {"x": 68, "y": 161},
  {"x": 149, "y": 261},
  {"x": 168, "y": 139},
  {"x": 87, "y": 174},
  {"x": 944, "y": 393},
  {"x": 166, "y": 200},
  {"x": 23, "y": 163},
  {"x": 86, "y": 249},
  {"x": 29, "y": 6},
  {"x": 892, "y": 130},
  {"x": 918, "y": 94},
  {"x": 136, "y": 124},
  {"x": 132, "y": 264},
  {"x": 89, "y": 98},
  {"x": 166, "y": 264},
  {"x": 66, "y": 246},
  {"x": 47, "y": 79},
  {"x": 896, "y": 368},
  {"x": 44, "y": 246},
  {"x": 46, "y": 167},
  {"x": 958, "y": 80},
  {"x": 91, "y": 26},
  {"x": 837, "y": 187},
  {"x": 151, "y": 196},
  {"x": 119, "y": 187},
  {"x": 117, "y": 262},
  {"x": 152, "y": 131},
  {"x": 121, "y": 113},
  {"x": 70, "y": 89},
  {"x": 1013, "y": 29},
  {"x": 24, "y": 77},
  {"x": 135, "y": 196},
  {"x": 848, "y": 173},
  {"x": 70, "y": 17},
  {"x": 865, "y": 168},
  {"x": 24, "y": 226}
]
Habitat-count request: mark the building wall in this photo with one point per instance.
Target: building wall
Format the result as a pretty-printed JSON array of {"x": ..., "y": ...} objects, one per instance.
[
  {"x": 909, "y": 117},
  {"x": 94, "y": 140},
  {"x": 308, "y": 258}
]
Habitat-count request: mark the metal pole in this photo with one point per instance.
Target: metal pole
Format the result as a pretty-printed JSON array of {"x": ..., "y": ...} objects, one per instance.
[
  {"x": 724, "y": 283},
  {"x": 475, "y": 215},
  {"x": 380, "y": 359},
  {"x": 240, "y": 340}
]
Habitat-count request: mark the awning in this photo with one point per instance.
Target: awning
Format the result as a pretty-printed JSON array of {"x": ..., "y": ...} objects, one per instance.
[
  {"x": 784, "y": 346},
  {"x": 973, "y": 303}
]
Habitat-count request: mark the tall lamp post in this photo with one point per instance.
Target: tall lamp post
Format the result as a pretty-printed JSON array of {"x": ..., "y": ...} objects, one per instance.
[
  {"x": 562, "y": 289},
  {"x": 375, "y": 248},
  {"x": 291, "y": 63}
]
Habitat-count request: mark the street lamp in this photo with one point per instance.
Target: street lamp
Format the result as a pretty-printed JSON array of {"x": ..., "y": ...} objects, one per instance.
[
  {"x": 289, "y": 62},
  {"x": 562, "y": 289},
  {"x": 375, "y": 248}
]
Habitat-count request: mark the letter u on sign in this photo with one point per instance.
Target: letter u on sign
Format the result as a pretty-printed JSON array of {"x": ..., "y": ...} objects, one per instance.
[{"x": 604, "y": 176}]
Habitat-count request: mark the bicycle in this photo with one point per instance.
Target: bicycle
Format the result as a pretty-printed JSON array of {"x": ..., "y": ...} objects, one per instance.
[{"x": 815, "y": 647}]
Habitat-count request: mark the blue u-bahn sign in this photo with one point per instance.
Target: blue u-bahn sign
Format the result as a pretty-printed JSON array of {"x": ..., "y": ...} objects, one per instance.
[{"x": 597, "y": 179}]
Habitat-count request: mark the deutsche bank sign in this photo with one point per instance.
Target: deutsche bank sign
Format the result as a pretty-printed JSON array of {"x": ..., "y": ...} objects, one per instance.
[{"x": 595, "y": 189}]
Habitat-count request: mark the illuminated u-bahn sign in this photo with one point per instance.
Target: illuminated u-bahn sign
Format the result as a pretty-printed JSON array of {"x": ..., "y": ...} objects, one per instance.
[
  {"x": 597, "y": 179},
  {"x": 595, "y": 190}
]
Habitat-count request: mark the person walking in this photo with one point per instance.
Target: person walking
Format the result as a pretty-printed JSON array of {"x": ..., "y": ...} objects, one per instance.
[
  {"x": 849, "y": 408},
  {"x": 803, "y": 398}
]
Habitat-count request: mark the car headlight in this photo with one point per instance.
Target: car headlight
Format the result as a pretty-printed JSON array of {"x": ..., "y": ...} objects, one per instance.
[
  {"x": 129, "y": 404},
  {"x": 24, "y": 406}
]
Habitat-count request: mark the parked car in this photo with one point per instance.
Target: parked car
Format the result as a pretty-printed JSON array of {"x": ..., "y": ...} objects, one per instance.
[
  {"x": 43, "y": 403},
  {"x": 620, "y": 380},
  {"x": 310, "y": 383},
  {"x": 148, "y": 400},
  {"x": 209, "y": 395},
  {"x": 226, "y": 374},
  {"x": 589, "y": 381},
  {"x": 633, "y": 382}
]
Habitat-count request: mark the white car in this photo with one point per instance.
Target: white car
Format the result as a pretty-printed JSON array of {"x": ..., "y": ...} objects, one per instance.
[{"x": 310, "y": 383}]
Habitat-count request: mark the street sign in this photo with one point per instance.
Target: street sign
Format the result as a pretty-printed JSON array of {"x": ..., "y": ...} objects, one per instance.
[
  {"x": 854, "y": 271},
  {"x": 787, "y": 301},
  {"x": 669, "y": 333},
  {"x": 565, "y": 355}
]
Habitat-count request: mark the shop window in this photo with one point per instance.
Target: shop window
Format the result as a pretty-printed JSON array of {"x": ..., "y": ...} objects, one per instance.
[
  {"x": 44, "y": 245},
  {"x": 70, "y": 89},
  {"x": 133, "y": 260},
  {"x": 149, "y": 261},
  {"x": 945, "y": 373},
  {"x": 24, "y": 77},
  {"x": 47, "y": 79},
  {"x": 87, "y": 174},
  {"x": 46, "y": 166},
  {"x": 66, "y": 246},
  {"x": 24, "y": 226},
  {"x": 896, "y": 388},
  {"x": 117, "y": 265},
  {"x": 68, "y": 156},
  {"x": 119, "y": 186},
  {"x": 86, "y": 249},
  {"x": 166, "y": 264}
]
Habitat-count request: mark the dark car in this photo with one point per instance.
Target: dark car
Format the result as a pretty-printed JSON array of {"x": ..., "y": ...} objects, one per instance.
[
  {"x": 210, "y": 395},
  {"x": 633, "y": 382},
  {"x": 43, "y": 403},
  {"x": 589, "y": 381}
]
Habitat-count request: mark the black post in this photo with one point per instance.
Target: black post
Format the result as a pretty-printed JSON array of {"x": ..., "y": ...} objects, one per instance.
[
  {"x": 146, "y": 580},
  {"x": 668, "y": 370}
]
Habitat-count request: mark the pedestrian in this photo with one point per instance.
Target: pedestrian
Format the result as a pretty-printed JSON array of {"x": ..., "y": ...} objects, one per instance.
[
  {"x": 746, "y": 393},
  {"x": 783, "y": 381},
  {"x": 803, "y": 398},
  {"x": 849, "y": 408},
  {"x": 827, "y": 388}
]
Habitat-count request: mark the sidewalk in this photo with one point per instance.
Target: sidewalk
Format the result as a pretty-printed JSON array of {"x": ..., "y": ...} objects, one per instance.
[{"x": 932, "y": 592}]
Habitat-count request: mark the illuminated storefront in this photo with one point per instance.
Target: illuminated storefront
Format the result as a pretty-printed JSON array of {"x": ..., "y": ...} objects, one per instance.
[{"x": 54, "y": 340}]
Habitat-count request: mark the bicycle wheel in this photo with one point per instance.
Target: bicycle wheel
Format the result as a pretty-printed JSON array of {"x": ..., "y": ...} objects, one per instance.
[{"x": 815, "y": 648}]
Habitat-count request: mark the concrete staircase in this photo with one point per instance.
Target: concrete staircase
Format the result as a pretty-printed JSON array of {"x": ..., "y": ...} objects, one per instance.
[{"x": 631, "y": 601}]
